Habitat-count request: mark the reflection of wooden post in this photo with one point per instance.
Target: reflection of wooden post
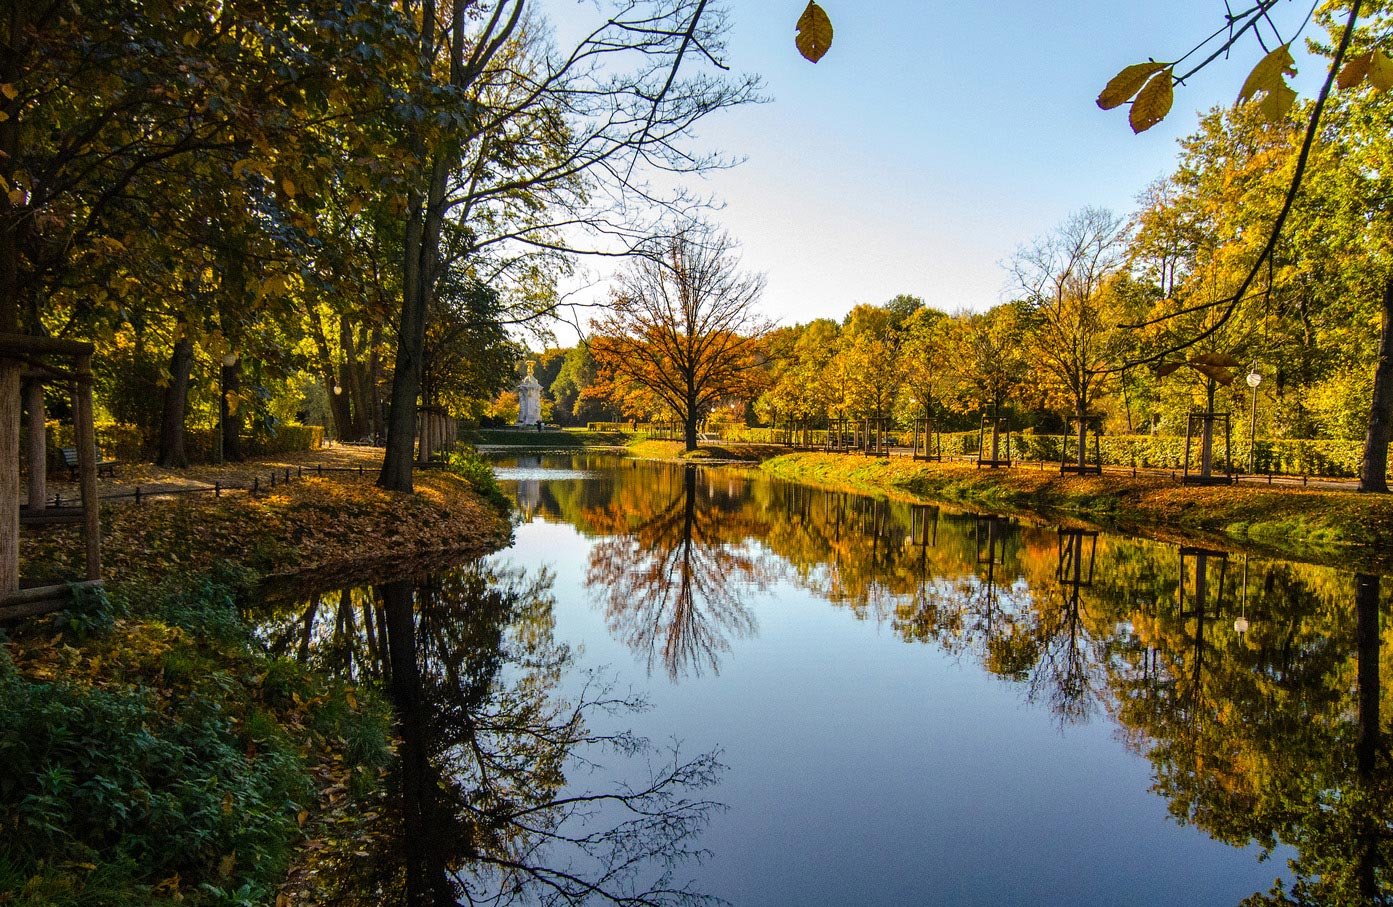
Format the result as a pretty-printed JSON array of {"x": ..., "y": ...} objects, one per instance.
[
  {"x": 86, "y": 437},
  {"x": 38, "y": 445}
]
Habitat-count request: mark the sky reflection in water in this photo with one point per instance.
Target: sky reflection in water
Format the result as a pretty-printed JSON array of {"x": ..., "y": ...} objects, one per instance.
[{"x": 915, "y": 705}]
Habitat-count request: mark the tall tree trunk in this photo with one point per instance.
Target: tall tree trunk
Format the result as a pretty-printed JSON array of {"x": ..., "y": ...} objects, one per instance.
[
  {"x": 1373, "y": 471},
  {"x": 375, "y": 426},
  {"x": 421, "y": 261},
  {"x": 352, "y": 379},
  {"x": 11, "y": 223},
  {"x": 689, "y": 425},
  {"x": 176, "y": 403},
  {"x": 231, "y": 416}
]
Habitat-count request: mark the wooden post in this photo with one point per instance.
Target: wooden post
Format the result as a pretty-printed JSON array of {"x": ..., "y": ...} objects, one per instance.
[
  {"x": 9, "y": 475},
  {"x": 38, "y": 445},
  {"x": 86, "y": 437}
]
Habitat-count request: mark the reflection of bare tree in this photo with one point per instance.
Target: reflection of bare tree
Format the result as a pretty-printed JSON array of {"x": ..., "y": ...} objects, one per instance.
[
  {"x": 486, "y": 810},
  {"x": 674, "y": 584},
  {"x": 1070, "y": 671}
]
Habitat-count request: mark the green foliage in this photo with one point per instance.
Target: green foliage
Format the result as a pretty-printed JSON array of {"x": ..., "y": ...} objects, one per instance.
[
  {"x": 478, "y": 472},
  {"x": 142, "y": 789}
]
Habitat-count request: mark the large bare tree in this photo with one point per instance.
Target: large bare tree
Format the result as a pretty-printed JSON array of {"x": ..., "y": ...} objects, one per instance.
[
  {"x": 1067, "y": 277},
  {"x": 683, "y": 326},
  {"x": 548, "y": 149}
]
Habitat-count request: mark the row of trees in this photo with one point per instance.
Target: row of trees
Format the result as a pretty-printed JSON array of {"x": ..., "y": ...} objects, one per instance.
[
  {"x": 257, "y": 210},
  {"x": 1112, "y": 317}
]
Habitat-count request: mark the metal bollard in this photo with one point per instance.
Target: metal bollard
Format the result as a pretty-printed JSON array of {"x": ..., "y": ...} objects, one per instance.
[
  {"x": 217, "y": 489},
  {"x": 256, "y": 484}
]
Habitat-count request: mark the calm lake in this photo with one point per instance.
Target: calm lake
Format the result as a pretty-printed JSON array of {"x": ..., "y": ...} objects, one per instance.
[{"x": 835, "y": 699}]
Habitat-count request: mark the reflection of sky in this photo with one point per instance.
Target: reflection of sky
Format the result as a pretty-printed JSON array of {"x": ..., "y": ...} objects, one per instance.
[{"x": 867, "y": 771}]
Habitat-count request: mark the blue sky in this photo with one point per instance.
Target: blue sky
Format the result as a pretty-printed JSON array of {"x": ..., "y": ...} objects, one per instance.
[{"x": 935, "y": 137}]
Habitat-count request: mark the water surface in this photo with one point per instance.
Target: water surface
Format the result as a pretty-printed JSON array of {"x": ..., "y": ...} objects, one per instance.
[{"x": 894, "y": 703}]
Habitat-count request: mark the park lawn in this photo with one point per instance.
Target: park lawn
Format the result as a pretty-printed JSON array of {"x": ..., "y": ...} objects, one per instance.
[
  {"x": 1300, "y": 522},
  {"x": 156, "y": 753}
]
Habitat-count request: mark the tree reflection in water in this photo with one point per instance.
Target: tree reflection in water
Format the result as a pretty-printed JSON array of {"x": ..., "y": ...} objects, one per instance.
[
  {"x": 1274, "y": 735},
  {"x": 487, "y": 811},
  {"x": 674, "y": 581}
]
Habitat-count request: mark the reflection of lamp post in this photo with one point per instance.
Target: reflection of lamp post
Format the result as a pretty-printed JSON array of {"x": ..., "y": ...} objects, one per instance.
[
  {"x": 1254, "y": 379},
  {"x": 1240, "y": 626}
]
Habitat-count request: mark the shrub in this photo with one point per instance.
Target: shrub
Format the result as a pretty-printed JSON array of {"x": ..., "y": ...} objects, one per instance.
[{"x": 478, "y": 472}]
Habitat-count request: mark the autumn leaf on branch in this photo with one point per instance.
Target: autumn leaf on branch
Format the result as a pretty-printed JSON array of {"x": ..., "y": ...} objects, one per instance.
[
  {"x": 1267, "y": 84},
  {"x": 1153, "y": 101},
  {"x": 1122, "y": 87}
]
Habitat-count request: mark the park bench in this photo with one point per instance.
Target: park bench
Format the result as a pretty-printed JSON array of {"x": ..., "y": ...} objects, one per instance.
[{"x": 104, "y": 467}]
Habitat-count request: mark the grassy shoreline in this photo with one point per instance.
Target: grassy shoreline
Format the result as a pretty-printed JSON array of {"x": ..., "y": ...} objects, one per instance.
[
  {"x": 1302, "y": 523},
  {"x": 156, "y": 753}
]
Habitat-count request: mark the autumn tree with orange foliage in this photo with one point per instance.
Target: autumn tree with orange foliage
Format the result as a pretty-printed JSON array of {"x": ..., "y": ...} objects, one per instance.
[{"x": 683, "y": 330}]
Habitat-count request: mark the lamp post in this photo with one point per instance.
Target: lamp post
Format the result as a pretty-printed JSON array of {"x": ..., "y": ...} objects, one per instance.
[
  {"x": 1253, "y": 379},
  {"x": 228, "y": 361}
]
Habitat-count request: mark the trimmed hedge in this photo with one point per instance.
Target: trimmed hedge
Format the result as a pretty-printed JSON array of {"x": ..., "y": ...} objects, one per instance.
[{"x": 1279, "y": 456}]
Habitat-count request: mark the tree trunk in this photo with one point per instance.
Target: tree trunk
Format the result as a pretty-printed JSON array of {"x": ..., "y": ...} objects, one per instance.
[
  {"x": 1083, "y": 433},
  {"x": 375, "y": 426},
  {"x": 38, "y": 446},
  {"x": 421, "y": 259},
  {"x": 689, "y": 427},
  {"x": 352, "y": 380},
  {"x": 176, "y": 403},
  {"x": 9, "y": 474},
  {"x": 1207, "y": 433},
  {"x": 231, "y": 417},
  {"x": 1373, "y": 471}
]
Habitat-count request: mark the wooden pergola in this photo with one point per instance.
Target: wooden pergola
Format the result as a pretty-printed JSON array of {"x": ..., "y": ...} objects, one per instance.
[{"x": 41, "y": 361}]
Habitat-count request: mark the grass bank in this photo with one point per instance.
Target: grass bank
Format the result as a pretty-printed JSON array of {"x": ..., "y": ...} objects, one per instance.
[
  {"x": 730, "y": 451},
  {"x": 154, "y": 752},
  {"x": 551, "y": 438},
  {"x": 1297, "y": 521}
]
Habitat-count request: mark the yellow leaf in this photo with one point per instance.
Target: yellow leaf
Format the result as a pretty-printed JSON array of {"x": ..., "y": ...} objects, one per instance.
[
  {"x": 814, "y": 33},
  {"x": 1269, "y": 77},
  {"x": 227, "y": 864},
  {"x": 351, "y": 699},
  {"x": 1127, "y": 83},
  {"x": 227, "y": 804},
  {"x": 1353, "y": 72},
  {"x": 191, "y": 38},
  {"x": 302, "y": 816},
  {"x": 241, "y": 167},
  {"x": 288, "y": 185},
  {"x": 1153, "y": 102},
  {"x": 9, "y": 91},
  {"x": 1275, "y": 103},
  {"x": 3, "y": 116},
  {"x": 1381, "y": 71},
  {"x": 16, "y": 197}
]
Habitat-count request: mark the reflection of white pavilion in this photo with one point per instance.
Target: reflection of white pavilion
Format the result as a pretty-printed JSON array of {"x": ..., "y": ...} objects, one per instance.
[{"x": 529, "y": 398}]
